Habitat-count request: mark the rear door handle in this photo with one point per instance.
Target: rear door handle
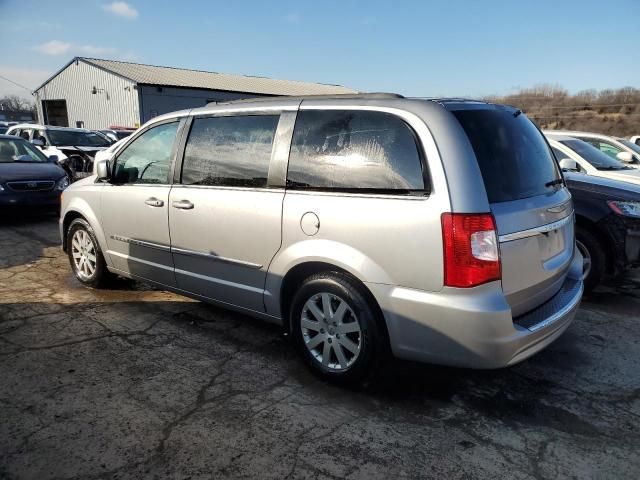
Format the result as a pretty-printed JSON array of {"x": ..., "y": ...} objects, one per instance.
[
  {"x": 154, "y": 202},
  {"x": 182, "y": 204}
]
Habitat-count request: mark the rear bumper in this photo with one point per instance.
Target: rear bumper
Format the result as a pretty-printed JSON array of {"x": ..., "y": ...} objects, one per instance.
[{"x": 474, "y": 327}]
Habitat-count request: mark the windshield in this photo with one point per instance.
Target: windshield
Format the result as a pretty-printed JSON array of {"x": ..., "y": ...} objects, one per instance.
[
  {"x": 3, "y": 130},
  {"x": 19, "y": 151},
  {"x": 595, "y": 157},
  {"x": 74, "y": 138},
  {"x": 630, "y": 145},
  {"x": 513, "y": 156}
]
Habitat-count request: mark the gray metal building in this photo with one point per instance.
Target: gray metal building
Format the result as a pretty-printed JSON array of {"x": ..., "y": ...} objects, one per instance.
[{"x": 94, "y": 93}]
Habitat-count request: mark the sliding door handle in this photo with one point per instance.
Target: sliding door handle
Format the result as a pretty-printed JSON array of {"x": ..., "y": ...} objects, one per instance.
[
  {"x": 182, "y": 204},
  {"x": 154, "y": 202}
]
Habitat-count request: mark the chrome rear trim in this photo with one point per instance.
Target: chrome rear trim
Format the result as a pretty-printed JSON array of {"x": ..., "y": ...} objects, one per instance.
[{"x": 549, "y": 227}]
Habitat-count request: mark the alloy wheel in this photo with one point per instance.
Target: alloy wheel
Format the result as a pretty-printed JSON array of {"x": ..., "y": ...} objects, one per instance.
[
  {"x": 331, "y": 331},
  {"x": 586, "y": 259},
  {"x": 83, "y": 252}
]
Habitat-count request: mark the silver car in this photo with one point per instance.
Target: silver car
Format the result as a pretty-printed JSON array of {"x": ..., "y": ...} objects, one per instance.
[{"x": 436, "y": 230}]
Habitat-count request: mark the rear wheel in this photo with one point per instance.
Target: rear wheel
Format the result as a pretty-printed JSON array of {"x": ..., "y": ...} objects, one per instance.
[
  {"x": 594, "y": 257},
  {"x": 85, "y": 256},
  {"x": 336, "y": 328}
]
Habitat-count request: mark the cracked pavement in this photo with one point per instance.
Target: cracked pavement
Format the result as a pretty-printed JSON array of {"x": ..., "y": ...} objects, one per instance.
[{"x": 134, "y": 382}]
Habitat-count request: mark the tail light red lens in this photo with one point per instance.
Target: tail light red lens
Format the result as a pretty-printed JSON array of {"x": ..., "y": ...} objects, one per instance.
[{"x": 471, "y": 254}]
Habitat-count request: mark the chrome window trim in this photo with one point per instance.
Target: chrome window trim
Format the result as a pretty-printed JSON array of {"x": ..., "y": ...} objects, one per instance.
[
  {"x": 225, "y": 187},
  {"x": 532, "y": 232},
  {"x": 211, "y": 256}
]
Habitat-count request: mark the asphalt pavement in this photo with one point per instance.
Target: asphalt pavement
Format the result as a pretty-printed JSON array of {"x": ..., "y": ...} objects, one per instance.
[{"x": 134, "y": 382}]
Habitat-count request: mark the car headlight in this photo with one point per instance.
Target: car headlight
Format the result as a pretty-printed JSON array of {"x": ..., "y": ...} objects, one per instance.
[
  {"x": 1, "y": 188},
  {"x": 62, "y": 183},
  {"x": 627, "y": 209}
]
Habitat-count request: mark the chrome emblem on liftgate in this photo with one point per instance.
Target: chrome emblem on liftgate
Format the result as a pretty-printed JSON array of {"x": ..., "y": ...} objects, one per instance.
[{"x": 558, "y": 208}]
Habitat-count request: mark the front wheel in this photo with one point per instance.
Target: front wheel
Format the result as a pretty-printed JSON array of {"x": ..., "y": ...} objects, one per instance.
[
  {"x": 336, "y": 328},
  {"x": 85, "y": 256}
]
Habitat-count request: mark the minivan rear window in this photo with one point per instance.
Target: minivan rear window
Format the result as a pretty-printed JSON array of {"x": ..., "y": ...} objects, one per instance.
[
  {"x": 513, "y": 156},
  {"x": 355, "y": 151}
]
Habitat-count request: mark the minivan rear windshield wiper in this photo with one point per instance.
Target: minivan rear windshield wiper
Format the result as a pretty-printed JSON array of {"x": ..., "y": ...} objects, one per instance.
[{"x": 557, "y": 181}]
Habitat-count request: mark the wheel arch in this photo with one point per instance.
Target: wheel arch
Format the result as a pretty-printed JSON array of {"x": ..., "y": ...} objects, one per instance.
[
  {"x": 80, "y": 209},
  {"x": 603, "y": 236},
  {"x": 298, "y": 273}
]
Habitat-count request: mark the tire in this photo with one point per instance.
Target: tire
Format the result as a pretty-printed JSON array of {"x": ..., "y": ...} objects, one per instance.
[
  {"x": 593, "y": 250},
  {"x": 82, "y": 242},
  {"x": 328, "y": 346}
]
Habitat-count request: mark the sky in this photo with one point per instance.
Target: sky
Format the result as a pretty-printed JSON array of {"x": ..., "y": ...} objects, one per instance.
[{"x": 468, "y": 48}]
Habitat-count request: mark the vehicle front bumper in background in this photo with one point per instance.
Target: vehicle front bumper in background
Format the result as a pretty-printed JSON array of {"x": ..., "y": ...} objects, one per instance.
[
  {"x": 474, "y": 327},
  {"x": 625, "y": 233},
  {"x": 10, "y": 198}
]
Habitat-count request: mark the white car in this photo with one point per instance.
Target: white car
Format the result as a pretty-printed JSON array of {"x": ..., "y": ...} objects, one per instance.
[
  {"x": 615, "y": 147},
  {"x": 74, "y": 147},
  {"x": 576, "y": 155},
  {"x": 107, "y": 153},
  {"x": 635, "y": 140}
]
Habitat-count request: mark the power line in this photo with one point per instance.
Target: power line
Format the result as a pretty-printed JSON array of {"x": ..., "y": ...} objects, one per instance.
[{"x": 16, "y": 84}]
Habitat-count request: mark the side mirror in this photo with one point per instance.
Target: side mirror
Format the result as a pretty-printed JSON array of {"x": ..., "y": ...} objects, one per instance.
[
  {"x": 37, "y": 142},
  {"x": 102, "y": 170},
  {"x": 625, "y": 157},
  {"x": 569, "y": 165},
  {"x": 53, "y": 158}
]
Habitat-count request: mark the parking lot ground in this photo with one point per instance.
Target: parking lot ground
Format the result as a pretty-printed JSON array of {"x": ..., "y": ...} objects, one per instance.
[{"x": 134, "y": 382}]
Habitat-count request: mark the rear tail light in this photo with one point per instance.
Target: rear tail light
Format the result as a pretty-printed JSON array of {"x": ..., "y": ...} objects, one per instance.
[{"x": 471, "y": 255}]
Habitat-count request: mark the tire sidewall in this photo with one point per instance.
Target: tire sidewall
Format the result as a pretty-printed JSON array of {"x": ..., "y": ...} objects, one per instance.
[
  {"x": 347, "y": 290},
  {"x": 98, "y": 276},
  {"x": 598, "y": 258}
]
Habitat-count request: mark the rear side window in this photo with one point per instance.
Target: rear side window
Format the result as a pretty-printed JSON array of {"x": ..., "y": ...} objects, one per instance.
[
  {"x": 352, "y": 150},
  {"x": 229, "y": 151},
  {"x": 513, "y": 156}
]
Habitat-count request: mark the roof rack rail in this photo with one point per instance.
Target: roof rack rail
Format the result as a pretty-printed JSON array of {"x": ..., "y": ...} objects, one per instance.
[{"x": 330, "y": 96}]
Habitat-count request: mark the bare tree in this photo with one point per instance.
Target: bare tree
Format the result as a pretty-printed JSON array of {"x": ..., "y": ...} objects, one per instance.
[{"x": 16, "y": 103}]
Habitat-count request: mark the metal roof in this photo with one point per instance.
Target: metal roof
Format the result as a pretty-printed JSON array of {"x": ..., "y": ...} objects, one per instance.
[{"x": 180, "y": 77}]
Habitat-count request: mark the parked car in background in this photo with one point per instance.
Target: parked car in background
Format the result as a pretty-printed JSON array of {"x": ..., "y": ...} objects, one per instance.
[
  {"x": 361, "y": 223},
  {"x": 116, "y": 135},
  {"x": 74, "y": 147},
  {"x": 27, "y": 177},
  {"x": 635, "y": 140},
  {"x": 107, "y": 153},
  {"x": 607, "y": 225},
  {"x": 588, "y": 159},
  {"x": 617, "y": 148}
]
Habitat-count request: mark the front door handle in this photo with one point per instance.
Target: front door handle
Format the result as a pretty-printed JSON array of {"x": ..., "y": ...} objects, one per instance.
[
  {"x": 182, "y": 204},
  {"x": 154, "y": 202}
]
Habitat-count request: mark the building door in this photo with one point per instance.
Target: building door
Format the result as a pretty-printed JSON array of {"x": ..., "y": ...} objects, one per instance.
[{"x": 55, "y": 113}]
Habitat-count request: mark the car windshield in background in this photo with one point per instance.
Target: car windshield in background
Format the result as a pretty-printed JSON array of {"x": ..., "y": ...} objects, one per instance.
[
  {"x": 595, "y": 157},
  {"x": 123, "y": 134},
  {"x": 630, "y": 145},
  {"x": 3, "y": 130},
  {"x": 19, "y": 151},
  {"x": 61, "y": 138},
  {"x": 514, "y": 159}
]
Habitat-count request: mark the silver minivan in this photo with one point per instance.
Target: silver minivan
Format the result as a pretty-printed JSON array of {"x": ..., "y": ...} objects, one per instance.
[{"x": 436, "y": 230}]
